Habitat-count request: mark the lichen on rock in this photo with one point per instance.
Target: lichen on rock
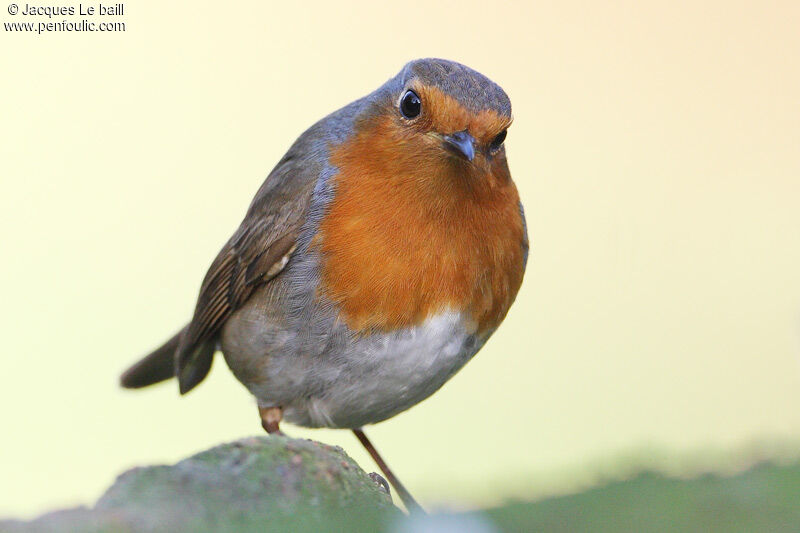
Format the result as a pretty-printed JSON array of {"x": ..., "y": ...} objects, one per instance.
[{"x": 258, "y": 484}]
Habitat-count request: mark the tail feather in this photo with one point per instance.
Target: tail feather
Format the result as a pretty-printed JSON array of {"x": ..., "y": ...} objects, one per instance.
[{"x": 158, "y": 366}]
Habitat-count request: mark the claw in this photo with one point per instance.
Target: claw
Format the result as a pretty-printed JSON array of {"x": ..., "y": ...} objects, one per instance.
[{"x": 382, "y": 483}]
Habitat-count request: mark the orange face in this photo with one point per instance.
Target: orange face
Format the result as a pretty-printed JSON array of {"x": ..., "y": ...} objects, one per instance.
[
  {"x": 442, "y": 124},
  {"x": 416, "y": 227},
  {"x": 443, "y": 115}
]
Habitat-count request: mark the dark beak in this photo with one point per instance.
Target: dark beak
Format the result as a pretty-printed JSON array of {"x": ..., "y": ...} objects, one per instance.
[{"x": 461, "y": 143}]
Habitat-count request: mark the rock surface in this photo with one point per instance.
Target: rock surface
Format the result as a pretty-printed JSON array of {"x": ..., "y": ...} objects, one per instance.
[
  {"x": 255, "y": 484},
  {"x": 280, "y": 484}
]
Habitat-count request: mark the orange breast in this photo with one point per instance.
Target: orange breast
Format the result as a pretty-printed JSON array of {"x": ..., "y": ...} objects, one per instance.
[{"x": 410, "y": 233}]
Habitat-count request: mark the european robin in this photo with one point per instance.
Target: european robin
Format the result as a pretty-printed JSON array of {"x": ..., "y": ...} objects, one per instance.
[{"x": 375, "y": 260}]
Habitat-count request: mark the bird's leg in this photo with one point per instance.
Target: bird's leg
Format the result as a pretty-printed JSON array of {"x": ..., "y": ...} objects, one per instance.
[
  {"x": 270, "y": 419},
  {"x": 405, "y": 496}
]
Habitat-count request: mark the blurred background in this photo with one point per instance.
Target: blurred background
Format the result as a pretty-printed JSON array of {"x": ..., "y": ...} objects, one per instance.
[{"x": 655, "y": 147}]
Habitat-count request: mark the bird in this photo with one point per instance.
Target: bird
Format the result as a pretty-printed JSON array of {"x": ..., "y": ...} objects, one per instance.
[{"x": 375, "y": 260}]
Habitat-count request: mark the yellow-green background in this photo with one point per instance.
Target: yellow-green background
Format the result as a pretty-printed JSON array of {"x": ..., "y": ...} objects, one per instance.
[{"x": 655, "y": 147}]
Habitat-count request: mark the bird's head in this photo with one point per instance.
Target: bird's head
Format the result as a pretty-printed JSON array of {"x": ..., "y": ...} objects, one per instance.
[
  {"x": 438, "y": 118},
  {"x": 454, "y": 109}
]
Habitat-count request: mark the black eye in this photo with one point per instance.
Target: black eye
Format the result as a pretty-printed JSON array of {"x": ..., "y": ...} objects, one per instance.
[
  {"x": 410, "y": 105},
  {"x": 497, "y": 141}
]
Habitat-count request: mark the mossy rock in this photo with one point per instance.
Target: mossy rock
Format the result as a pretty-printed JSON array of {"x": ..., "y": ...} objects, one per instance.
[
  {"x": 278, "y": 484},
  {"x": 255, "y": 484}
]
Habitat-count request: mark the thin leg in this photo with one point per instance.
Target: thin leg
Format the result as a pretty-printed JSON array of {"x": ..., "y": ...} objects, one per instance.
[
  {"x": 405, "y": 496},
  {"x": 271, "y": 419}
]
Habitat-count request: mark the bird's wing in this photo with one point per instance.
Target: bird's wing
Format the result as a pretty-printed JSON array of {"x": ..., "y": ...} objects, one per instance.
[{"x": 256, "y": 253}]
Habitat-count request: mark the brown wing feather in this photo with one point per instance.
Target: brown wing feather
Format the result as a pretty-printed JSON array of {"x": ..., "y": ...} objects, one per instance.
[{"x": 256, "y": 253}]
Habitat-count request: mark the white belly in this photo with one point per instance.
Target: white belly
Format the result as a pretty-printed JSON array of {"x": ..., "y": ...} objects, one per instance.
[{"x": 379, "y": 375}]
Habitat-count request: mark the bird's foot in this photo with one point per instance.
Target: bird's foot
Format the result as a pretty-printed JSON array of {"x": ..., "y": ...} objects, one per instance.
[
  {"x": 270, "y": 420},
  {"x": 381, "y": 482}
]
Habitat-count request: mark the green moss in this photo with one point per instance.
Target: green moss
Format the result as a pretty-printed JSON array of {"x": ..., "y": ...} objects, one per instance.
[
  {"x": 766, "y": 498},
  {"x": 253, "y": 484},
  {"x": 280, "y": 484}
]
